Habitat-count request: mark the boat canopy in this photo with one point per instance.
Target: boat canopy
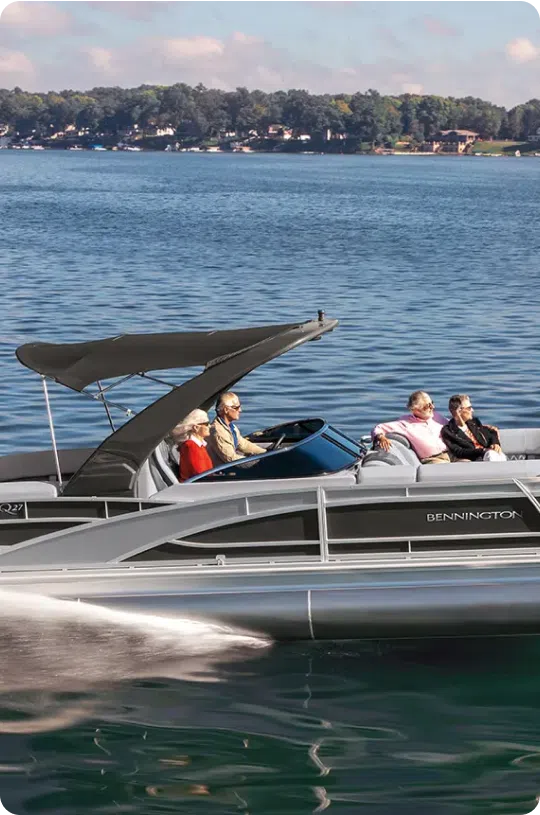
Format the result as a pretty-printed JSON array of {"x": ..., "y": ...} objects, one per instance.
[
  {"x": 77, "y": 365},
  {"x": 227, "y": 356}
]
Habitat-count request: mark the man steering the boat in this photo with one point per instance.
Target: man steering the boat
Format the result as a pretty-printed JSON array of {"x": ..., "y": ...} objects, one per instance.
[
  {"x": 422, "y": 427},
  {"x": 226, "y": 443}
]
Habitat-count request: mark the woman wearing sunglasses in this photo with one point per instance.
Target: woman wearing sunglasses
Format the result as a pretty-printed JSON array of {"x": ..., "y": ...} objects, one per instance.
[{"x": 190, "y": 436}]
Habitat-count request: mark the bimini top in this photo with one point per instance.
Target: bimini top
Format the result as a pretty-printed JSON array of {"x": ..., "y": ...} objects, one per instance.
[
  {"x": 227, "y": 356},
  {"x": 77, "y": 365}
]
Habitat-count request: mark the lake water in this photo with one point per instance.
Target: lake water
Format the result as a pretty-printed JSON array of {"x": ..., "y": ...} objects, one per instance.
[{"x": 432, "y": 267}]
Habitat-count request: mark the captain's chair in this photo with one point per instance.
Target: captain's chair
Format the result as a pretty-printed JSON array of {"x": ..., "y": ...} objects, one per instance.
[{"x": 160, "y": 466}]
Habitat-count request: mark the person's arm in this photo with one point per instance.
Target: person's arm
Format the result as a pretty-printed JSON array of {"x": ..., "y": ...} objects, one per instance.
[
  {"x": 493, "y": 437},
  {"x": 247, "y": 447},
  {"x": 378, "y": 434}
]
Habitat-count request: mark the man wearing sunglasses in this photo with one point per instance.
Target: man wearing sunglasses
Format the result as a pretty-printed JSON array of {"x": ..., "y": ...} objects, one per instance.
[
  {"x": 422, "y": 427},
  {"x": 226, "y": 443}
]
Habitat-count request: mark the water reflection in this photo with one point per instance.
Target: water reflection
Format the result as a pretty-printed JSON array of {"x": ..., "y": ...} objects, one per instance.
[{"x": 448, "y": 728}]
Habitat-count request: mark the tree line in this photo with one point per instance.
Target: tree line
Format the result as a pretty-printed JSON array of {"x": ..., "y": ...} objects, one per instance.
[{"x": 200, "y": 113}]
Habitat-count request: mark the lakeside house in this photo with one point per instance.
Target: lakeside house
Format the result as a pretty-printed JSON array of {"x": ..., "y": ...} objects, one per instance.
[
  {"x": 278, "y": 131},
  {"x": 450, "y": 141},
  {"x": 535, "y": 137}
]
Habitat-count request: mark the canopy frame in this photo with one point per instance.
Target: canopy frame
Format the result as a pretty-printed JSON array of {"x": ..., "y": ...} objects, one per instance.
[{"x": 113, "y": 468}]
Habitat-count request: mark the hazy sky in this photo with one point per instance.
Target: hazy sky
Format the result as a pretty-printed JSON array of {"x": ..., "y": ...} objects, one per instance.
[{"x": 489, "y": 49}]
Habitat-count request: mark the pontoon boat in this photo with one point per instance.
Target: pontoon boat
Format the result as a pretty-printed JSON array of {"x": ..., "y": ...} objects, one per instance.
[{"x": 318, "y": 537}]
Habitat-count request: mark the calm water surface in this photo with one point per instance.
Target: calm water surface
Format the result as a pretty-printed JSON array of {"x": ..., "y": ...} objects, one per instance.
[{"x": 431, "y": 266}]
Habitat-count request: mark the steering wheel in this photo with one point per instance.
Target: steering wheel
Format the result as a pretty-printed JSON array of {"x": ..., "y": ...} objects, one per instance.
[{"x": 277, "y": 444}]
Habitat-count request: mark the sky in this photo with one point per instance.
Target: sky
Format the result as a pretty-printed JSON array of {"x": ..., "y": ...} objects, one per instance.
[{"x": 484, "y": 48}]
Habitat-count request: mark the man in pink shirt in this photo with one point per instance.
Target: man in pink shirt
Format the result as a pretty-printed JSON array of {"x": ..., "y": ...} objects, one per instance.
[{"x": 422, "y": 427}]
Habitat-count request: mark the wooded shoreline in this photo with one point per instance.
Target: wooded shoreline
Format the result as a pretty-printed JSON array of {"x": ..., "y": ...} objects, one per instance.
[{"x": 154, "y": 117}]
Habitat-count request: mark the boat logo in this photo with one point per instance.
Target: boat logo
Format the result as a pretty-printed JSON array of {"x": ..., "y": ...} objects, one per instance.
[
  {"x": 495, "y": 515},
  {"x": 10, "y": 509}
]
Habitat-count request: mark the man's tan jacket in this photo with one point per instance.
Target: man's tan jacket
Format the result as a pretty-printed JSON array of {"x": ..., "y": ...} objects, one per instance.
[{"x": 220, "y": 444}]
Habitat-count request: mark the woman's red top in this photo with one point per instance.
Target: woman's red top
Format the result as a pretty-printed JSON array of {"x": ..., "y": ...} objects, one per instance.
[{"x": 194, "y": 459}]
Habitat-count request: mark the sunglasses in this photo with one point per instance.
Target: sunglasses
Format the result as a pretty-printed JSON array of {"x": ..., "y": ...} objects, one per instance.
[
  {"x": 234, "y": 407},
  {"x": 427, "y": 406},
  {"x": 203, "y": 423}
]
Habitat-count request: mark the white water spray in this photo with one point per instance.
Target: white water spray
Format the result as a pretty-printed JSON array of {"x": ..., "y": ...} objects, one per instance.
[{"x": 60, "y": 645}]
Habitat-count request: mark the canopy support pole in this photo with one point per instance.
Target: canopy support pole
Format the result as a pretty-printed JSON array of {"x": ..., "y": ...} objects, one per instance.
[
  {"x": 106, "y": 406},
  {"x": 51, "y": 428}
]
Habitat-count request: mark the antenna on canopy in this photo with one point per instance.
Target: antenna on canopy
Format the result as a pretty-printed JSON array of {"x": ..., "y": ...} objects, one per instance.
[{"x": 51, "y": 428}]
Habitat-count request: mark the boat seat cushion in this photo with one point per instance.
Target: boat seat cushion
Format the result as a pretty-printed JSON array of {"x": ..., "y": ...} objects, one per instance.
[
  {"x": 397, "y": 455},
  {"x": 384, "y": 476},
  {"x": 469, "y": 472},
  {"x": 26, "y": 490},
  {"x": 524, "y": 441},
  {"x": 401, "y": 439}
]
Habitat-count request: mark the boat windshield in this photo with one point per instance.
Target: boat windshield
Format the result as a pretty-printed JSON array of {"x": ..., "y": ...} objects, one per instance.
[{"x": 322, "y": 451}]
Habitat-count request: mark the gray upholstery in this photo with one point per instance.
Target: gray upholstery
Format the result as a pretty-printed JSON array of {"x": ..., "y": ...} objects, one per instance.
[
  {"x": 26, "y": 490},
  {"x": 161, "y": 458},
  {"x": 401, "y": 474},
  {"x": 380, "y": 458},
  {"x": 521, "y": 441},
  {"x": 467, "y": 472},
  {"x": 398, "y": 454},
  {"x": 401, "y": 439}
]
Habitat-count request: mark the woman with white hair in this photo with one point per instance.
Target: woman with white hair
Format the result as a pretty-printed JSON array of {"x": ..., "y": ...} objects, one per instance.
[{"x": 190, "y": 436}]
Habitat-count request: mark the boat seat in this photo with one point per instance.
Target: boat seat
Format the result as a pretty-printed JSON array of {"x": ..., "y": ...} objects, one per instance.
[
  {"x": 523, "y": 442},
  {"x": 401, "y": 439},
  {"x": 161, "y": 460},
  {"x": 384, "y": 476},
  {"x": 398, "y": 454},
  {"x": 26, "y": 490},
  {"x": 477, "y": 471},
  {"x": 156, "y": 474}
]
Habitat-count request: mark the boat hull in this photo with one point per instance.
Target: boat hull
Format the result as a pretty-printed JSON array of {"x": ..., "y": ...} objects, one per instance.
[{"x": 320, "y": 603}]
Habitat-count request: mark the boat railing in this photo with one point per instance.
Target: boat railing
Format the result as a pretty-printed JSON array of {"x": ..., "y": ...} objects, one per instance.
[{"x": 322, "y": 525}]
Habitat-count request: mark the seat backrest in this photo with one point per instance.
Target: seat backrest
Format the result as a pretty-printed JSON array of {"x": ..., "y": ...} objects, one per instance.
[
  {"x": 156, "y": 474},
  {"x": 26, "y": 490},
  {"x": 398, "y": 454},
  {"x": 401, "y": 439},
  {"x": 148, "y": 482},
  {"x": 523, "y": 441},
  {"x": 477, "y": 471},
  {"x": 161, "y": 457}
]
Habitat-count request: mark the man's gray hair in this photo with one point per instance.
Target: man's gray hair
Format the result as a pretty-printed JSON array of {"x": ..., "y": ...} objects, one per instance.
[
  {"x": 223, "y": 400},
  {"x": 414, "y": 398},
  {"x": 455, "y": 401}
]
